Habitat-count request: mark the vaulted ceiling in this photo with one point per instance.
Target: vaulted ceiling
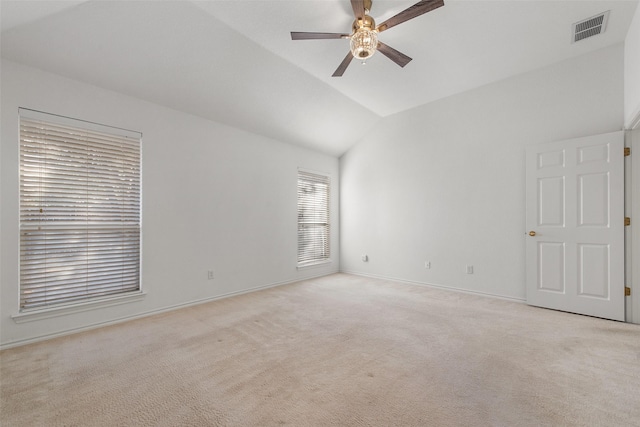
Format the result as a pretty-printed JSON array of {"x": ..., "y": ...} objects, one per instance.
[{"x": 234, "y": 61}]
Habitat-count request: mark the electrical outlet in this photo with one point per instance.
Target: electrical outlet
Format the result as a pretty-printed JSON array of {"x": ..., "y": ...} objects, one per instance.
[
  {"x": 469, "y": 269},
  {"x": 210, "y": 274},
  {"x": 427, "y": 264}
]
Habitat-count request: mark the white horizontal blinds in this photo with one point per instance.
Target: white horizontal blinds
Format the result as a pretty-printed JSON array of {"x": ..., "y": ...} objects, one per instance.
[
  {"x": 79, "y": 213},
  {"x": 313, "y": 218}
]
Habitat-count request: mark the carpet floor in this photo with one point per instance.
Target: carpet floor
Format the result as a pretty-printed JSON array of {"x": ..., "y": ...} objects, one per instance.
[{"x": 340, "y": 350}]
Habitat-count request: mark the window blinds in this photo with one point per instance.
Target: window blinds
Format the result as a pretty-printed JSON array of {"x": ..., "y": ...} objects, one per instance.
[
  {"x": 313, "y": 218},
  {"x": 79, "y": 213}
]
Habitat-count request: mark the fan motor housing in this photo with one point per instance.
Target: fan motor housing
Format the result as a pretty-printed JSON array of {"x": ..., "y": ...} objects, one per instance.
[{"x": 365, "y": 22}]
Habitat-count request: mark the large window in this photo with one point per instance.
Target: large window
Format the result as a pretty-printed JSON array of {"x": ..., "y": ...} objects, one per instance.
[
  {"x": 79, "y": 210},
  {"x": 313, "y": 218}
]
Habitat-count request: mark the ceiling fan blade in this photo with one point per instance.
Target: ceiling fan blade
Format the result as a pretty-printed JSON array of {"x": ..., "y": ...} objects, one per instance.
[
  {"x": 417, "y": 9},
  {"x": 398, "y": 57},
  {"x": 358, "y": 8},
  {"x": 317, "y": 36},
  {"x": 343, "y": 65}
]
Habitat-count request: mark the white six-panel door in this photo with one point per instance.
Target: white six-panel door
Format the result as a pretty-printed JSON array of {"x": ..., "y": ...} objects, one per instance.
[{"x": 575, "y": 225}]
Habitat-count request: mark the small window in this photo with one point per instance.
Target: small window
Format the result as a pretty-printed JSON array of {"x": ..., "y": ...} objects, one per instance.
[
  {"x": 313, "y": 218},
  {"x": 79, "y": 210}
]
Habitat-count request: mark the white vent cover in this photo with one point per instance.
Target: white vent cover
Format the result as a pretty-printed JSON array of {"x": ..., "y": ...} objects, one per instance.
[{"x": 589, "y": 27}]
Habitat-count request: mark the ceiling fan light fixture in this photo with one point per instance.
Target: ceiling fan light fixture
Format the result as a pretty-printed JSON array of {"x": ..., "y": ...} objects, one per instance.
[
  {"x": 364, "y": 43},
  {"x": 364, "y": 36}
]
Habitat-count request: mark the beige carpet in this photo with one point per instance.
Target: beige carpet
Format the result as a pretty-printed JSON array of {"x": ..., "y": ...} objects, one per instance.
[{"x": 336, "y": 351}]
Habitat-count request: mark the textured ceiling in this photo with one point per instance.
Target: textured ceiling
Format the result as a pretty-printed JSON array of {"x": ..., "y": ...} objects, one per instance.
[{"x": 234, "y": 61}]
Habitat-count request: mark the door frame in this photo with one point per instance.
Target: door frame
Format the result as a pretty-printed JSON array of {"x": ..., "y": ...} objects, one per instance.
[{"x": 633, "y": 254}]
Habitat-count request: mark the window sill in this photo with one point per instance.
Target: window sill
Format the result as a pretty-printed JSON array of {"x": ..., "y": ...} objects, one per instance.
[
  {"x": 313, "y": 264},
  {"x": 63, "y": 310}
]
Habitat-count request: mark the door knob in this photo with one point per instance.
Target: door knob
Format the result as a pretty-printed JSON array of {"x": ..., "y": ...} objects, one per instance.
[{"x": 532, "y": 233}]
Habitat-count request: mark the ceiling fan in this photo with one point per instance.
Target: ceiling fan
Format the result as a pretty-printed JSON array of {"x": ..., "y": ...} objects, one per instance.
[{"x": 364, "y": 38}]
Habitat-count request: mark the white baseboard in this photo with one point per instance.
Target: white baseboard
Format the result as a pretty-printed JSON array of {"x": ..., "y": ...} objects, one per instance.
[
  {"x": 18, "y": 343},
  {"x": 437, "y": 286}
]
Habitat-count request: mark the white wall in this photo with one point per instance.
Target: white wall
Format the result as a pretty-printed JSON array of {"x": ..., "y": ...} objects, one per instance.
[
  {"x": 214, "y": 197},
  {"x": 445, "y": 182},
  {"x": 632, "y": 73}
]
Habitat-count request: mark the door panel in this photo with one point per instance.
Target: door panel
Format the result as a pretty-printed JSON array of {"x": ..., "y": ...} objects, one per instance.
[
  {"x": 551, "y": 201},
  {"x": 575, "y": 209},
  {"x": 593, "y": 270},
  {"x": 551, "y": 263},
  {"x": 593, "y": 200}
]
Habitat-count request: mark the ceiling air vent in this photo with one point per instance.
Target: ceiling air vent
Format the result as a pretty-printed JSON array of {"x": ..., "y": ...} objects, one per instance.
[{"x": 590, "y": 27}]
